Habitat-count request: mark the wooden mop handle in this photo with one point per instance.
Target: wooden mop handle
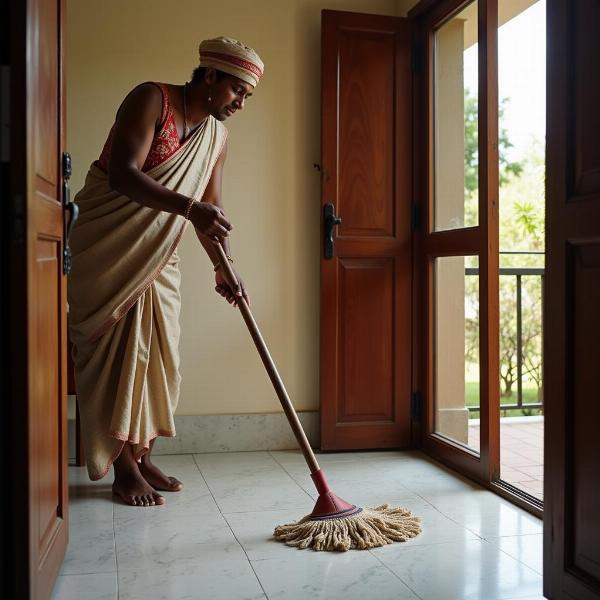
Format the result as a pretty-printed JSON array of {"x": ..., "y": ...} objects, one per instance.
[{"x": 276, "y": 380}]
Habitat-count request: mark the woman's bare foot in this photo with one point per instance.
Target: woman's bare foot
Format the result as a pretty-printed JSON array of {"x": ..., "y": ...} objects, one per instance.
[
  {"x": 156, "y": 478},
  {"x": 129, "y": 483}
]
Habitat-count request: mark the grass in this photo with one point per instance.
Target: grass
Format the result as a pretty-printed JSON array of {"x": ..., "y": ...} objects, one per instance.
[{"x": 530, "y": 396}]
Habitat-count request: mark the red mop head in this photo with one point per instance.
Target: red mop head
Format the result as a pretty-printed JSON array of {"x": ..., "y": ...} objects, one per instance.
[{"x": 335, "y": 524}]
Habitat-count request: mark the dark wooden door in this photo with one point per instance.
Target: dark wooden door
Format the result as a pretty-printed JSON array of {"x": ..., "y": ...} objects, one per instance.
[
  {"x": 37, "y": 285},
  {"x": 366, "y": 284},
  {"x": 572, "y": 304}
]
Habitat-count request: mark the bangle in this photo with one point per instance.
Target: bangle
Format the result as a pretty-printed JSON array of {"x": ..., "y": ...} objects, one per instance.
[{"x": 189, "y": 208}]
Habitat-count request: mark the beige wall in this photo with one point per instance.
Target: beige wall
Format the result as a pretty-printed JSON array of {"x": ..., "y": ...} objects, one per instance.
[{"x": 270, "y": 190}]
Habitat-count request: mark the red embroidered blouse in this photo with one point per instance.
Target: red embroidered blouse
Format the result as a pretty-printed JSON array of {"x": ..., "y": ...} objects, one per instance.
[{"x": 165, "y": 141}]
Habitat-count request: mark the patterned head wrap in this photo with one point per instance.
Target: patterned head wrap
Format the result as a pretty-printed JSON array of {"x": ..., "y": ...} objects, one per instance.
[{"x": 231, "y": 56}]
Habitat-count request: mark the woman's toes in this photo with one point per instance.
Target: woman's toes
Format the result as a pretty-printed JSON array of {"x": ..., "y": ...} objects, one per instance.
[
  {"x": 132, "y": 501},
  {"x": 158, "y": 498},
  {"x": 176, "y": 485}
]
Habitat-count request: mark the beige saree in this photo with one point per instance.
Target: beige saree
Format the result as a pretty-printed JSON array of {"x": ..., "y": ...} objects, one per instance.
[{"x": 124, "y": 303}]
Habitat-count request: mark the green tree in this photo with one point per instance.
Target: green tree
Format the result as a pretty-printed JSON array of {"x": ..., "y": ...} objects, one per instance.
[
  {"x": 521, "y": 229},
  {"x": 507, "y": 167}
]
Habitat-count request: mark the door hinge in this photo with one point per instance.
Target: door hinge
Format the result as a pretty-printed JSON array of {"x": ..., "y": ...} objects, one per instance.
[
  {"x": 415, "y": 217},
  {"x": 416, "y": 405}
]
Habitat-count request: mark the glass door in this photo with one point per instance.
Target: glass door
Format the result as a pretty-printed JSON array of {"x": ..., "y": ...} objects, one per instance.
[
  {"x": 458, "y": 237},
  {"x": 479, "y": 188}
]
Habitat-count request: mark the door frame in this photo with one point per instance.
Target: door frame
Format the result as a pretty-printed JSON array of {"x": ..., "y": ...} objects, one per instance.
[{"x": 30, "y": 571}]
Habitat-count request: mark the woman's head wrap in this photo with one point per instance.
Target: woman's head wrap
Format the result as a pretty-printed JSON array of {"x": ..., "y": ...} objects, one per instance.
[{"x": 232, "y": 57}]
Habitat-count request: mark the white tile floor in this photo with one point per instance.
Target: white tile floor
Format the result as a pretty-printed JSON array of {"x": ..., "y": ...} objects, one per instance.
[{"x": 212, "y": 540}]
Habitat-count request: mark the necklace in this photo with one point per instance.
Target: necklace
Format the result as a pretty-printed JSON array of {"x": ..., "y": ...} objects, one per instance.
[{"x": 185, "y": 125}]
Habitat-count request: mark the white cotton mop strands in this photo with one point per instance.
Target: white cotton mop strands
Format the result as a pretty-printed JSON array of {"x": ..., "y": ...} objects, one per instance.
[{"x": 335, "y": 525}]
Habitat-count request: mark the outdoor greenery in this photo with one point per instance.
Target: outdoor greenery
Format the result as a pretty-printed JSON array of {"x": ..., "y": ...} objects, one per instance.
[{"x": 521, "y": 230}]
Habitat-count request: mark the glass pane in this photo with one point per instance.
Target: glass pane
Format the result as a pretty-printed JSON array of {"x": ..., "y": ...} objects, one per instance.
[
  {"x": 522, "y": 133},
  {"x": 455, "y": 100},
  {"x": 456, "y": 344}
]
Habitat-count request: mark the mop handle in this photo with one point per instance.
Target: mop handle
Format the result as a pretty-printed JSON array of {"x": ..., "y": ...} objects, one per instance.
[{"x": 276, "y": 380}]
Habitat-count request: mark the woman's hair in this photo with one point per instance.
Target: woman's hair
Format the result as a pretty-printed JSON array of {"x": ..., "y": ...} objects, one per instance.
[{"x": 198, "y": 74}]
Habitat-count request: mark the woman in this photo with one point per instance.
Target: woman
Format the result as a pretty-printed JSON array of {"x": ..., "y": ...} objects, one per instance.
[{"x": 161, "y": 167}]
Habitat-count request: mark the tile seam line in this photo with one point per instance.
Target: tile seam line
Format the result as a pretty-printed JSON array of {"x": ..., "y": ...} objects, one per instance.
[
  {"x": 290, "y": 475},
  {"x": 448, "y": 516},
  {"x": 87, "y": 573},
  {"x": 229, "y": 526},
  {"x": 498, "y": 537},
  {"x": 541, "y": 574},
  {"x": 517, "y": 560},
  {"x": 389, "y": 569},
  {"x": 247, "y": 558}
]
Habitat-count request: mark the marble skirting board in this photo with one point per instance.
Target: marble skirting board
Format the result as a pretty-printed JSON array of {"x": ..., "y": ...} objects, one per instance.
[{"x": 230, "y": 433}]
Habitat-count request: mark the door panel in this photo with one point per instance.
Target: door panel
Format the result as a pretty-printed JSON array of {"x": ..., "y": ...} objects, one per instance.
[
  {"x": 45, "y": 78},
  {"x": 366, "y": 286},
  {"x": 366, "y": 141},
  {"x": 584, "y": 459},
  {"x": 38, "y": 299},
  {"x": 46, "y": 424},
  {"x": 571, "y": 300}
]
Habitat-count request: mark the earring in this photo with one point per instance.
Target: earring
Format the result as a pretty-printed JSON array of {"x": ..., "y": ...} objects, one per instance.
[{"x": 210, "y": 99}]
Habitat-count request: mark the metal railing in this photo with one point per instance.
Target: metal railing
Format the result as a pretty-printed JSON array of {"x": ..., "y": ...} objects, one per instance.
[{"x": 518, "y": 273}]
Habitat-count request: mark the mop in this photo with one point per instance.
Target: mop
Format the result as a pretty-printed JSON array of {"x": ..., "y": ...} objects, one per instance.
[{"x": 334, "y": 524}]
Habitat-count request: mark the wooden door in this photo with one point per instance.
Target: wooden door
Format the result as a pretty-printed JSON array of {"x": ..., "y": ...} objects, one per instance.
[
  {"x": 366, "y": 272},
  {"x": 572, "y": 304},
  {"x": 38, "y": 488}
]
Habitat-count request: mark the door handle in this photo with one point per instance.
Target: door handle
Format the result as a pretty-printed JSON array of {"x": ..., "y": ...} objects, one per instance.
[
  {"x": 71, "y": 208},
  {"x": 330, "y": 220}
]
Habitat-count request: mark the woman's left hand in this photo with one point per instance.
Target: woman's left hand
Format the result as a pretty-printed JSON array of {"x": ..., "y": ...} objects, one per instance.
[{"x": 231, "y": 295}]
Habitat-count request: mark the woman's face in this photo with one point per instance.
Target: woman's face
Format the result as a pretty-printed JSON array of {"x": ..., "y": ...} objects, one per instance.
[{"x": 228, "y": 96}]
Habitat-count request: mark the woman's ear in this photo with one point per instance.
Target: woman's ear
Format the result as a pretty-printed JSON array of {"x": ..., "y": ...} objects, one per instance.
[{"x": 210, "y": 76}]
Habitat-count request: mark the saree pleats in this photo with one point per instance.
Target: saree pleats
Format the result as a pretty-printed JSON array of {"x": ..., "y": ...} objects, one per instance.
[{"x": 124, "y": 305}]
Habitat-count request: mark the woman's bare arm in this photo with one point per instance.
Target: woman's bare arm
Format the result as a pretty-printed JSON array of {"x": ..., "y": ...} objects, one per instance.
[{"x": 135, "y": 127}]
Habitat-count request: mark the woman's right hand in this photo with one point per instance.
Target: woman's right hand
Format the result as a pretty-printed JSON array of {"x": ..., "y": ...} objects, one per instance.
[{"x": 210, "y": 221}]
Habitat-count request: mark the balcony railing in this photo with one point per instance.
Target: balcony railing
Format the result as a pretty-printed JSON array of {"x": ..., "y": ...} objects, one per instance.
[{"x": 518, "y": 273}]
